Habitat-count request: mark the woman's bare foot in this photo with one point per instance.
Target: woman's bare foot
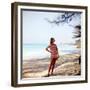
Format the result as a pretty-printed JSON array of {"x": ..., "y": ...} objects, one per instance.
[
  {"x": 52, "y": 73},
  {"x": 47, "y": 75}
]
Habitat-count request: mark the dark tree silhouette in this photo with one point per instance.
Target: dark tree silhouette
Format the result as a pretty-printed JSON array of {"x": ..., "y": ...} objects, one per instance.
[
  {"x": 77, "y": 31},
  {"x": 64, "y": 17},
  {"x": 77, "y": 34}
]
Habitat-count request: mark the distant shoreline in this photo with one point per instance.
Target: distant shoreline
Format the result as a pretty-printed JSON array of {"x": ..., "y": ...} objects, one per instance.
[
  {"x": 35, "y": 51},
  {"x": 48, "y": 57}
]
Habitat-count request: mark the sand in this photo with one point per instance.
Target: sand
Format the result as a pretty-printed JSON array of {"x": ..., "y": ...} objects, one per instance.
[{"x": 65, "y": 65}]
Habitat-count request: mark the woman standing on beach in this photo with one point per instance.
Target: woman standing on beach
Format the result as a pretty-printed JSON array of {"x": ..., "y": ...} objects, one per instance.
[{"x": 52, "y": 48}]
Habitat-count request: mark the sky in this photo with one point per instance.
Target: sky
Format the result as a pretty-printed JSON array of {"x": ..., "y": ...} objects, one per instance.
[{"x": 36, "y": 29}]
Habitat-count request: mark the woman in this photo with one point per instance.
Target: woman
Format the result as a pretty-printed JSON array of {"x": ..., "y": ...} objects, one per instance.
[{"x": 52, "y": 48}]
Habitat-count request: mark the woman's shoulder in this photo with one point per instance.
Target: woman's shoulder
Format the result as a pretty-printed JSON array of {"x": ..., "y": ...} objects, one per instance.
[{"x": 54, "y": 44}]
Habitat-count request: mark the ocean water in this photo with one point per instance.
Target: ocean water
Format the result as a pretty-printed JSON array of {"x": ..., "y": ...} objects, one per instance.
[{"x": 38, "y": 51}]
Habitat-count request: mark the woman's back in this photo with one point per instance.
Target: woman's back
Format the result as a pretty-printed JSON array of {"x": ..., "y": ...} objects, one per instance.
[{"x": 54, "y": 51}]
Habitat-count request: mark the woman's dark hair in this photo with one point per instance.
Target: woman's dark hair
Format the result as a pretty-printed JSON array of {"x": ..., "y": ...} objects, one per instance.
[{"x": 51, "y": 40}]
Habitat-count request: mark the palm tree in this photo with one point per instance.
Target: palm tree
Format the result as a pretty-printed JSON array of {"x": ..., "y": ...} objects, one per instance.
[{"x": 77, "y": 36}]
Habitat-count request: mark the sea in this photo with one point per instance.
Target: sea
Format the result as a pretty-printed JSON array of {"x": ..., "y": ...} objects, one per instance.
[{"x": 38, "y": 51}]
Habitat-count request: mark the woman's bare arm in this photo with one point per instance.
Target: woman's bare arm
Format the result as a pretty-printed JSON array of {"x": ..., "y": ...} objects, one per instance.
[
  {"x": 56, "y": 48},
  {"x": 47, "y": 49}
]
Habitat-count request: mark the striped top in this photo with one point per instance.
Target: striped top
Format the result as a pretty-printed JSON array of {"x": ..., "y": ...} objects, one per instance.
[{"x": 54, "y": 51}]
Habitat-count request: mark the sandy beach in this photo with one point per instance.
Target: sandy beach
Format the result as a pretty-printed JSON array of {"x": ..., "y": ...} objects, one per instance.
[{"x": 66, "y": 65}]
